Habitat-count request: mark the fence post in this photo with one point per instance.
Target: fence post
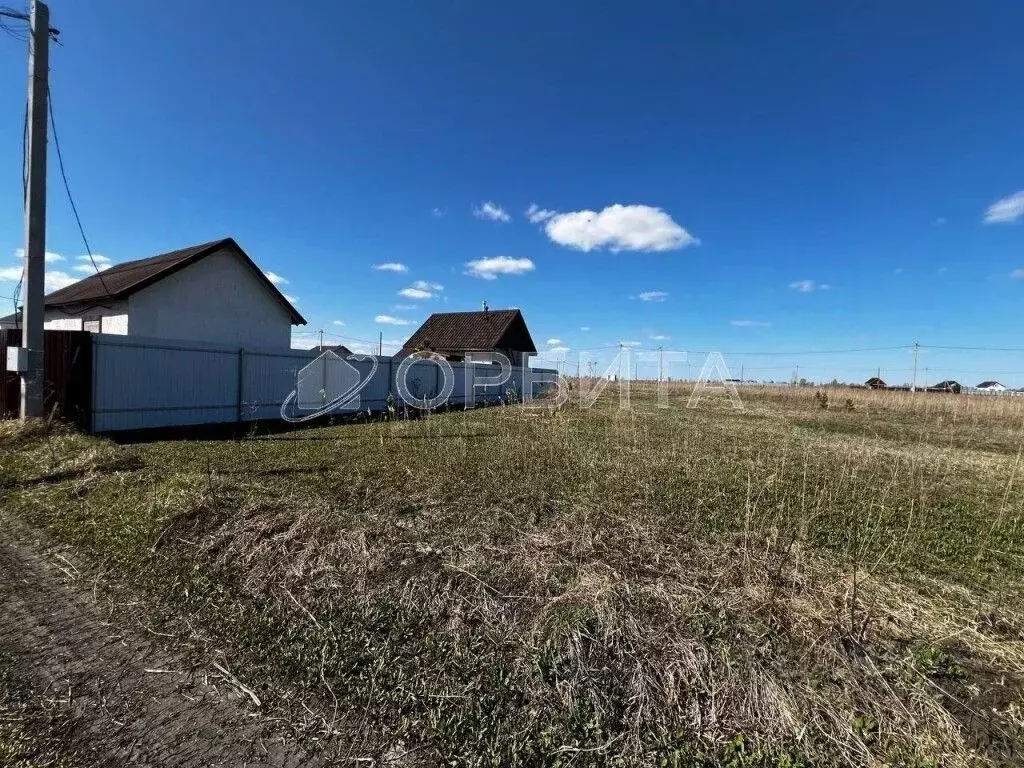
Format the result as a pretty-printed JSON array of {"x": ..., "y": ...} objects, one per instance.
[
  {"x": 240, "y": 384},
  {"x": 93, "y": 393},
  {"x": 391, "y": 382}
]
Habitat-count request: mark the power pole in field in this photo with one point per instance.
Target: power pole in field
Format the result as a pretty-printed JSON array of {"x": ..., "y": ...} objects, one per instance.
[
  {"x": 661, "y": 363},
  {"x": 380, "y": 343},
  {"x": 30, "y": 360},
  {"x": 913, "y": 382},
  {"x": 321, "y": 340}
]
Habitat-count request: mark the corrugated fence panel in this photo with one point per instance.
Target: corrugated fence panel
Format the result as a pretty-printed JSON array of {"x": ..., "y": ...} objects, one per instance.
[
  {"x": 143, "y": 383},
  {"x": 268, "y": 378}
]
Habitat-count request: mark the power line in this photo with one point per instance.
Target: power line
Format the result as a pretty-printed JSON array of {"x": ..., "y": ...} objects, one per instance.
[
  {"x": 976, "y": 349},
  {"x": 71, "y": 199},
  {"x": 21, "y": 35}
]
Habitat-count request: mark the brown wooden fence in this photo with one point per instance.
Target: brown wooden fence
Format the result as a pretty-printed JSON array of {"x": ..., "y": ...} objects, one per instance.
[{"x": 67, "y": 372}]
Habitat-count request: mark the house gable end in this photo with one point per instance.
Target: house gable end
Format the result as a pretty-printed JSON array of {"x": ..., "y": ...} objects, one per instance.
[{"x": 516, "y": 336}]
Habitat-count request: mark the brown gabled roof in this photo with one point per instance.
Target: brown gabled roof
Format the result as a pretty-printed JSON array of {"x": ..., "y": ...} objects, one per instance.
[
  {"x": 473, "y": 331},
  {"x": 122, "y": 280}
]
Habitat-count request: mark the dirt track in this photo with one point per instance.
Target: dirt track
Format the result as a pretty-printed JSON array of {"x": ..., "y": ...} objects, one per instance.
[{"x": 131, "y": 702}]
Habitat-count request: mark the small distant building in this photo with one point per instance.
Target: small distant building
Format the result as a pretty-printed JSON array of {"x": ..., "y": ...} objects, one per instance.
[
  {"x": 339, "y": 349},
  {"x": 949, "y": 386},
  {"x": 875, "y": 383},
  {"x": 991, "y": 386},
  {"x": 475, "y": 337}
]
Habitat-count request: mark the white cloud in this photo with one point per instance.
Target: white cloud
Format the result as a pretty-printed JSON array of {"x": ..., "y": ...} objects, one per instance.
[
  {"x": 554, "y": 341},
  {"x": 652, "y": 296},
  {"x": 619, "y": 228},
  {"x": 808, "y": 286},
  {"x": 585, "y": 328},
  {"x": 49, "y": 256},
  {"x": 415, "y": 293},
  {"x": 659, "y": 337},
  {"x": 1008, "y": 209},
  {"x": 939, "y": 221},
  {"x": 54, "y": 280},
  {"x": 491, "y": 211},
  {"x": 57, "y": 280},
  {"x": 490, "y": 268},
  {"x": 404, "y": 307},
  {"x": 1017, "y": 274},
  {"x": 291, "y": 299},
  {"x": 749, "y": 324},
  {"x": 536, "y": 214},
  {"x": 558, "y": 350},
  {"x": 421, "y": 290},
  {"x": 389, "y": 320},
  {"x": 391, "y": 266},
  {"x": 629, "y": 344},
  {"x": 275, "y": 278},
  {"x": 89, "y": 269},
  {"x": 339, "y": 322},
  {"x": 86, "y": 267},
  {"x": 437, "y": 213}
]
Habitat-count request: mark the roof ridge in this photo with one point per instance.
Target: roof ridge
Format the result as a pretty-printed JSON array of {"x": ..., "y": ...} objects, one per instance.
[{"x": 122, "y": 280}]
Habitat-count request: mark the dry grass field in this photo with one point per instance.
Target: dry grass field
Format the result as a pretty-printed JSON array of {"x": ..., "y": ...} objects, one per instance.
[{"x": 800, "y": 582}]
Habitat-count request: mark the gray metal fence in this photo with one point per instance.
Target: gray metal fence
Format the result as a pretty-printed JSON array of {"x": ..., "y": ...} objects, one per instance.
[{"x": 141, "y": 383}]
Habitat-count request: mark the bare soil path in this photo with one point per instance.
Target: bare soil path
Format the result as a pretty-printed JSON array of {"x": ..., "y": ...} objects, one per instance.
[{"x": 132, "y": 702}]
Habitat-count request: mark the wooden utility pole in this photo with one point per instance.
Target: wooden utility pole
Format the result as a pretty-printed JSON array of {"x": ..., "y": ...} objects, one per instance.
[
  {"x": 380, "y": 343},
  {"x": 913, "y": 382},
  {"x": 31, "y": 365}
]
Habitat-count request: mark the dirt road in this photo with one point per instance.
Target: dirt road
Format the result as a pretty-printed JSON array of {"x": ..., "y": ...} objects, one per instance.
[{"x": 131, "y": 702}]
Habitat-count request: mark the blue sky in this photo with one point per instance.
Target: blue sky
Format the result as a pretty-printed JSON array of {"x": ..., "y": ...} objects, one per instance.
[{"x": 737, "y": 158}]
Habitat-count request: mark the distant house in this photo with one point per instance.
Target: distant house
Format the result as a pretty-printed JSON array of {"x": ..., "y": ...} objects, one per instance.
[
  {"x": 211, "y": 292},
  {"x": 875, "y": 383},
  {"x": 991, "y": 386},
  {"x": 947, "y": 386},
  {"x": 475, "y": 336},
  {"x": 339, "y": 349}
]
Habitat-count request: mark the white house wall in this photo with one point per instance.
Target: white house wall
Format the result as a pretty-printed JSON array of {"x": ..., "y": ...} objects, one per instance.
[
  {"x": 517, "y": 358},
  {"x": 218, "y": 300},
  {"x": 114, "y": 319}
]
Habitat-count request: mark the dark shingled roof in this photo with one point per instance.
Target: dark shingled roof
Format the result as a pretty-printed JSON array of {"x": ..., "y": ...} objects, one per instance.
[
  {"x": 122, "y": 280},
  {"x": 339, "y": 349},
  {"x": 473, "y": 332}
]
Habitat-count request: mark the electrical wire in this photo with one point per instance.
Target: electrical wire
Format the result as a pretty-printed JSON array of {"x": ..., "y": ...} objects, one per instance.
[
  {"x": 21, "y": 35},
  {"x": 71, "y": 199},
  {"x": 975, "y": 349}
]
